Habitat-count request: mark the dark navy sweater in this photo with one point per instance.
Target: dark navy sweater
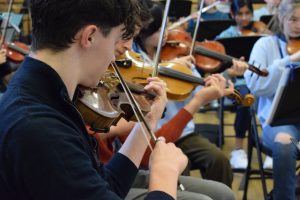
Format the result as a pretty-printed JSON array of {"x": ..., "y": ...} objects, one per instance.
[{"x": 45, "y": 150}]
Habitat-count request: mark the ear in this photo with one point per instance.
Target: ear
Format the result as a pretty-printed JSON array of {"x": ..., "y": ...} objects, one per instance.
[{"x": 88, "y": 36}]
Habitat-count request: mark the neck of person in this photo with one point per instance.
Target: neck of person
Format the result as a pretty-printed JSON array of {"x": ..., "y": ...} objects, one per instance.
[{"x": 64, "y": 65}]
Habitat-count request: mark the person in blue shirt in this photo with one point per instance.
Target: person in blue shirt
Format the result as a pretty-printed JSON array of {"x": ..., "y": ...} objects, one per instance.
[
  {"x": 269, "y": 9},
  {"x": 242, "y": 13},
  {"x": 211, "y": 14},
  {"x": 270, "y": 52},
  {"x": 45, "y": 150}
]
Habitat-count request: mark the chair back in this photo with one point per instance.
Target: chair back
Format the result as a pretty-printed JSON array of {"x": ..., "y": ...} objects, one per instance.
[{"x": 209, "y": 29}]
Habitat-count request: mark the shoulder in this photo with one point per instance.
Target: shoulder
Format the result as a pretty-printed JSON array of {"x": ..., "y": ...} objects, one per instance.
[{"x": 265, "y": 42}]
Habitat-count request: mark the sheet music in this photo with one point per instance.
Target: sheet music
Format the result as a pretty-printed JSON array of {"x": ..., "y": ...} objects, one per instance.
[{"x": 282, "y": 83}]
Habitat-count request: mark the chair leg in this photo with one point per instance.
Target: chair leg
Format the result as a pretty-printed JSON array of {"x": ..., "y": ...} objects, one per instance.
[
  {"x": 260, "y": 163},
  {"x": 248, "y": 169},
  {"x": 221, "y": 124}
]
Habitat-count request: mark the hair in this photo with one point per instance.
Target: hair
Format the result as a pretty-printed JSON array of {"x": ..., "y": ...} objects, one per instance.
[
  {"x": 56, "y": 22},
  {"x": 236, "y": 5},
  {"x": 155, "y": 10},
  {"x": 285, "y": 11}
]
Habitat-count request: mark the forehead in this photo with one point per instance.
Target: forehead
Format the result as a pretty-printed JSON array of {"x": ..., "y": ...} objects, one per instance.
[{"x": 296, "y": 12}]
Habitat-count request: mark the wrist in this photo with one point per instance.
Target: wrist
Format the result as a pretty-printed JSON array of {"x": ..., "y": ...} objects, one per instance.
[{"x": 164, "y": 178}]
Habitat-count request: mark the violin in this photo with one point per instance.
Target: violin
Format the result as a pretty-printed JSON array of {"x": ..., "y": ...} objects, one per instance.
[
  {"x": 178, "y": 45},
  {"x": 16, "y": 51},
  {"x": 206, "y": 57},
  {"x": 293, "y": 46},
  {"x": 228, "y": 59},
  {"x": 255, "y": 28},
  {"x": 103, "y": 106},
  {"x": 179, "y": 79}
]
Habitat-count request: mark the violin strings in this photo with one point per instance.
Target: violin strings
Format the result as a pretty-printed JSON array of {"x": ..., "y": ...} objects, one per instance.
[{"x": 136, "y": 109}]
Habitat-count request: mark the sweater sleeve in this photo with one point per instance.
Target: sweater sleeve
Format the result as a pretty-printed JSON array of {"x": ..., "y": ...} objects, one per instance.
[{"x": 170, "y": 130}]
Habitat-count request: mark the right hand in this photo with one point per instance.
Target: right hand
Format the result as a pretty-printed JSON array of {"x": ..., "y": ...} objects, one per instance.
[
  {"x": 2, "y": 56},
  {"x": 166, "y": 157}
]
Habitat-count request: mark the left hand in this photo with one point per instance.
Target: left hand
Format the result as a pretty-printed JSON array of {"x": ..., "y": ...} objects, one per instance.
[
  {"x": 186, "y": 60},
  {"x": 159, "y": 103},
  {"x": 238, "y": 67}
]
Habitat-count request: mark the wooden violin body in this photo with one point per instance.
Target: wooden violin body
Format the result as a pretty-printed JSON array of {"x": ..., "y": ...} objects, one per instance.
[
  {"x": 179, "y": 79},
  {"x": 16, "y": 51},
  {"x": 179, "y": 43},
  {"x": 103, "y": 106},
  {"x": 293, "y": 46},
  {"x": 255, "y": 28}
]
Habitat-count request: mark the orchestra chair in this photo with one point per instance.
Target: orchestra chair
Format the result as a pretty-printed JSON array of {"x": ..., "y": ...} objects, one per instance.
[
  {"x": 255, "y": 141},
  {"x": 233, "y": 48},
  {"x": 210, "y": 29}
]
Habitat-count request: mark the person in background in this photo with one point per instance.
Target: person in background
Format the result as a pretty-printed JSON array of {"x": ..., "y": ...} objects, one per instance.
[
  {"x": 46, "y": 152},
  {"x": 211, "y": 14},
  {"x": 241, "y": 12},
  {"x": 5, "y": 71},
  {"x": 269, "y": 9},
  {"x": 270, "y": 52}
]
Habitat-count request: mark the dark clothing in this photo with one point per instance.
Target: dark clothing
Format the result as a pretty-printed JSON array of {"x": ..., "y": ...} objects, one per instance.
[
  {"x": 45, "y": 150},
  {"x": 4, "y": 70}
]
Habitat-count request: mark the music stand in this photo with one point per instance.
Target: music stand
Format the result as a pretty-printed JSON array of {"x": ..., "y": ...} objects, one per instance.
[
  {"x": 285, "y": 107},
  {"x": 179, "y": 8},
  {"x": 13, "y": 25},
  {"x": 208, "y": 30},
  {"x": 239, "y": 46},
  {"x": 265, "y": 19}
]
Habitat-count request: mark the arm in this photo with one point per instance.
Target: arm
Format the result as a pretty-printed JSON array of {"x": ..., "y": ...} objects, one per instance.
[
  {"x": 214, "y": 89},
  {"x": 266, "y": 54},
  {"x": 136, "y": 144}
]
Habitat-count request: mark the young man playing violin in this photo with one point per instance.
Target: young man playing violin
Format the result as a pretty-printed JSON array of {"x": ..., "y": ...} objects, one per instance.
[{"x": 45, "y": 150}]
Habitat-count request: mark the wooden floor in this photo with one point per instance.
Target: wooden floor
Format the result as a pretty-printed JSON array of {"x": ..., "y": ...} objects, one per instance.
[{"x": 255, "y": 188}]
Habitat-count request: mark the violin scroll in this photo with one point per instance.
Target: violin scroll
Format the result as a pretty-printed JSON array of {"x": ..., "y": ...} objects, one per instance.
[{"x": 246, "y": 100}]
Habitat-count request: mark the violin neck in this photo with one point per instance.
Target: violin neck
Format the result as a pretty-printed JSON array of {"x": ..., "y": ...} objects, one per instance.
[
  {"x": 212, "y": 54},
  {"x": 165, "y": 71}
]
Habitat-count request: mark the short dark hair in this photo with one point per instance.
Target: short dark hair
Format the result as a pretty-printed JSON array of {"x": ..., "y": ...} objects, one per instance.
[
  {"x": 156, "y": 11},
  {"x": 236, "y": 5},
  {"x": 56, "y": 22}
]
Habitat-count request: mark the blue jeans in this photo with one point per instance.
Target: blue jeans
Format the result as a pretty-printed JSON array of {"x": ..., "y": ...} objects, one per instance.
[{"x": 284, "y": 160}]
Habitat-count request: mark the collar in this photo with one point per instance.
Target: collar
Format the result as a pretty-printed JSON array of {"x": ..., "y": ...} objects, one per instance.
[{"x": 50, "y": 86}]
